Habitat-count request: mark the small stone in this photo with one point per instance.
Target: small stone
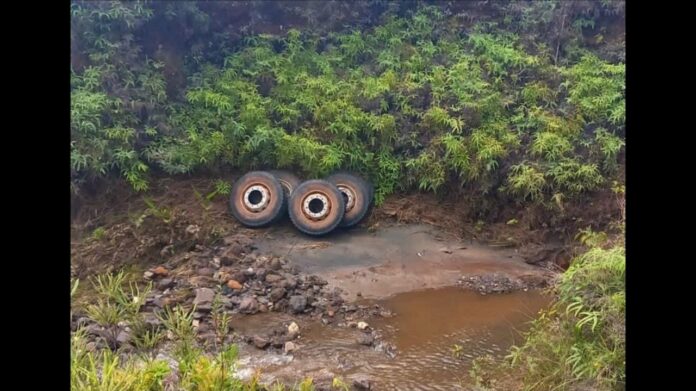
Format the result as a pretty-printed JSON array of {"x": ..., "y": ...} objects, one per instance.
[
  {"x": 148, "y": 275},
  {"x": 362, "y": 325},
  {"x": 290, "y": 347},
  {"x": 275, "y": 264},
  {"x": 366, "y": 339},
  {"x": 192, "y": 229},
  {"x": 298, "y": 303},
  {"x": 160, "y": 271},
  {"x": 273, "y": 278},
  {"x": 293, "y": 329},
  {"x": 216, "y": 262},
  {"x": 276, "y": 294},
  {"x": 361, "y": 383},
  {"x": 204, "y": 299},
  {"x": 234, "y": 284},
  {"x": 260, "y": 342},
  {"x": 330, "y": 313},
  {"x": 248, "y": 305},
  {"x": 123, "y": 337},
  {"x": 165, "y": 283}
]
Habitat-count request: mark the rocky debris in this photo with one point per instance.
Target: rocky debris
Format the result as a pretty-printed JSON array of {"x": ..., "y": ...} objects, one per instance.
[
  {"x": 535, "y": 280},
  {"x": 492, "y": 283},
  {"x": 293, "y": 330},
  {"x": 290, "y": 347},
  {"x": 362, "y": 325},
  {"x": 204, "y": 299},
  {"x": 298, "y": 303}
]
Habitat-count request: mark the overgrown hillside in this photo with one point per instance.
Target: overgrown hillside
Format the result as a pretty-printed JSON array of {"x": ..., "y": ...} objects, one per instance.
[{"x": 517, "y": 101}]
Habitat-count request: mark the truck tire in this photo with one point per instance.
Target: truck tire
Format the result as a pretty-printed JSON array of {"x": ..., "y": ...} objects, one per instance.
[
  {"x": 357, "y": 194},
  {"x": 257, "y": 199},
  {"x": 316, "y": 207}
]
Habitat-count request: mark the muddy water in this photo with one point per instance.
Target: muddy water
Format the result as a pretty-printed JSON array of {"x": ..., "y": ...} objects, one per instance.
[
  {"x": 411, "y": 270},
  {"x": 424, "y": 331}
]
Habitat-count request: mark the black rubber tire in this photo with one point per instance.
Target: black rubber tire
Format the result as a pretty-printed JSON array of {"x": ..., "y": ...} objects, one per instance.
[
  {"x": 362, "y": 193},
  {"x": 276, "y": 203},
  {"x": 335, "y": 205},
  {"x": 288, "y": 180}
]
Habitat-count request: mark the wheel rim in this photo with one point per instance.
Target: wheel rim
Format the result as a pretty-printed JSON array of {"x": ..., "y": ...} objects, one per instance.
[
  {"x": 316, "y": 206},
  {"x": 349, "y": 196},
  {"x": 256, "y": 198}
]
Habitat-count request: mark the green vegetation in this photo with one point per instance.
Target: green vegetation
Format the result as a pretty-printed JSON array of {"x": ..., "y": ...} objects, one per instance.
[
  {"x": 414, "y": 102},
  {"x": 580, "y": 340}
]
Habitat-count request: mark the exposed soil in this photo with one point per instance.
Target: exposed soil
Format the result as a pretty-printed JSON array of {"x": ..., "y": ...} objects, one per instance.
[{"x": 350, "y": 292}]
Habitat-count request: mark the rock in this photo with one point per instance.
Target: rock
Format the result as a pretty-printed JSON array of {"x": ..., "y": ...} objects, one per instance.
[
  {"x": 276, "y": 294},
  {"x": 165, "y": 283},
  {"x": 160, "y": 271},
  {"x": 293, "y": 330},
  {"x": 366, "y": 339},
  {"x": 260, "y": 342},
  {"x": 330, "y": 313},
  {"x": 148, "y": 275},
  {"x": 248, "y": 305},
  {"x": 94, "y": 329},
  {"x": 260, "y": 273},
  {"x": 275, "y": 264},
  {"x": 273, "y": 278},
  {"x": 234, "y": 284},
  {"x": 204, "y": 299},
  {"x": 363, "y": 325},
  {"x": 249, "y": 272},
  {"x": 239, "y": 276},
  {"x": 151, "y": 321},
  {"x": 192, "y": 229},
  {"x": 123, "y": 337},
  {"x": 361, "y": 383},
  {"x": 216, "y": 262},
  {"x": 298, "y": 303},
  {"x": 290, "y": 347}
]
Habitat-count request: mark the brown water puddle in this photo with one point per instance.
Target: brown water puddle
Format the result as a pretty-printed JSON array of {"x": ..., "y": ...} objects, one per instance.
[{"x": 424, "y": 331}]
